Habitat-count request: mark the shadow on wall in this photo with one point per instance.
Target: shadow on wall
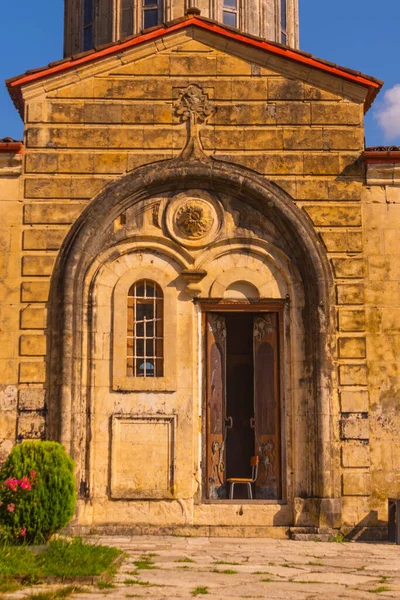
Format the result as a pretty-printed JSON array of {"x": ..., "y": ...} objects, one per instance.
[{"x": 369, "y": 529}]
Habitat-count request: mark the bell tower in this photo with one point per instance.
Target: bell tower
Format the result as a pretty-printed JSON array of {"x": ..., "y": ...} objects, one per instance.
[{"x": 92, "y": 23}]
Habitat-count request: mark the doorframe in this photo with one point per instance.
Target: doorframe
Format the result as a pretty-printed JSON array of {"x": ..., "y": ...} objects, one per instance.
[{"x": 221, "y": 305}]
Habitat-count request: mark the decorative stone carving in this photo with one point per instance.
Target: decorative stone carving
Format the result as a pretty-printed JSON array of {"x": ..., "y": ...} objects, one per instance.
[
  {"x": 193, "y": 218},
  {"x": 192, "y": 278},
  {"x": 193, "y": 104},
  {"x": 193, "y": 107}
]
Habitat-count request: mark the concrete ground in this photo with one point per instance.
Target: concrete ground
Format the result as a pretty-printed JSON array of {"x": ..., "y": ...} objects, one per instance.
[{"x": 222, "y": 568}]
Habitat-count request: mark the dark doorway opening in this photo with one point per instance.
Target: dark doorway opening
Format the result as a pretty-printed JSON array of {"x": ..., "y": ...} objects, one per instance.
[{"x": 240, "y": 443}]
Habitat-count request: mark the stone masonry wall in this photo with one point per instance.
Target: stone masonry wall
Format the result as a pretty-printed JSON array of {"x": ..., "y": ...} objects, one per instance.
[{"x": 85, "y": 130}]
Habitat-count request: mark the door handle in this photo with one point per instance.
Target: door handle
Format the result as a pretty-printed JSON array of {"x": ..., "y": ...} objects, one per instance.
[
  {"x": 252, "y": 422},
  {"x": 228, "y": 422}
]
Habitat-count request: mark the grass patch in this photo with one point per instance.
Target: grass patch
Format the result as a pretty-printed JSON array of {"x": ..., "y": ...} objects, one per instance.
[
  {"x": 224, "y": 571},
  {"x": 20, "y": 567},
  {"x": 104, "y": 585},
  {"x": 361, "y": 568},
  {"x": 144, "y": 562},
  {"x": 199, "y": 590},
  {"x": 138, "y": 582},
  {"x": 379, "y": 590},
  {"x": 185, "y": 560},
  {"x": 316, "y": 564},
  {"x": 223, "y": 562}
]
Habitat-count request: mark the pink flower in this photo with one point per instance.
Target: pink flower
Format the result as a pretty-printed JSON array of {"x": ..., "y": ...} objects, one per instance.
[
  {"x": 23, "y": 532},
  {"x": 11, "y": 484},
  {"x": 33, "y": 474},
  {"x": 25, "y": 483},
  {"x": 11, "y": 507}
]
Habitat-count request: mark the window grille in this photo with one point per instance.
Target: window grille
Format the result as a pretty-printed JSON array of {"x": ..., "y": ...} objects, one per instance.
[
  {"x": 145, "y": 341},
  {"x": 230, "y": 12},
  {"x": 152, "y": 13},
  {"x": 88, "y": 18},
  {"x": 126, "y": 18},
  {"x": 283, "y": 22}
]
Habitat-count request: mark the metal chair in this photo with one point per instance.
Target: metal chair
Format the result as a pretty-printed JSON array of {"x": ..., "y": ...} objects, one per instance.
[{"x": 254, "y": 473}]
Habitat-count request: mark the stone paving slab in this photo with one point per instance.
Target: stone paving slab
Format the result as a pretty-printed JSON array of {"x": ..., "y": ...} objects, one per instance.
[{"x": 248, "y": 568}]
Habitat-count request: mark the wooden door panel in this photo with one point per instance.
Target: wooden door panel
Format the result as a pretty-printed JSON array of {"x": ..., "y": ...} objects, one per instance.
[
  {"x": 216, "y": 405},
  {"x": 266, "y": 404}
]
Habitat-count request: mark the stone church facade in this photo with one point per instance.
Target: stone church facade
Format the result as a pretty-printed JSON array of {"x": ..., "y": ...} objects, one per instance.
[{"x": 199, "y": 265}]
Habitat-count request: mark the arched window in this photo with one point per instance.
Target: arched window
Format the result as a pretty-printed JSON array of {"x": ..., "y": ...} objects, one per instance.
[
  {"x": 88, "y": 18},
  {"x": 145, "y": 340},
  {"x": 230, "y": 12},
  {"x": 152, "y": 13},
  {"x": 126, "y": 18},
  {"x": 283, "y": 22}
]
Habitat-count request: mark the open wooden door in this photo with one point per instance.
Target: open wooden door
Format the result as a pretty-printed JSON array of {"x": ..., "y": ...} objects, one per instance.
[
  {"x": 267, "y": 405},
  {"x": 216, "y": 405}
]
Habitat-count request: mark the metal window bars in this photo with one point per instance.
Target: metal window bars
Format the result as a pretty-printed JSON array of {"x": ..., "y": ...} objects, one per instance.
[{"x": 145, "y": 339}]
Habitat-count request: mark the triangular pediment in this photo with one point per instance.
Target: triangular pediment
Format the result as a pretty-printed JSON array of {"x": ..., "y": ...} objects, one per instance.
[{"x": 194, "y": 48}]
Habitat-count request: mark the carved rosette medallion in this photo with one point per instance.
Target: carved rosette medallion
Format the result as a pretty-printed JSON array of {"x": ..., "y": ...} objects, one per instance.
[{"x": 194, "y": 218}]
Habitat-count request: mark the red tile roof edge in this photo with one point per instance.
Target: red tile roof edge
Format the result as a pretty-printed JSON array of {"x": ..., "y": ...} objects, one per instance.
[
  {"x": 382, "y": 155},
  {"x": 14, "y": 84},
  {"x": 10, "y": 145}
]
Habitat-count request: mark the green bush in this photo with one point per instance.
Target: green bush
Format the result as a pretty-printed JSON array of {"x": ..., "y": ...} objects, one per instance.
[{"x": 37, "y": 492}]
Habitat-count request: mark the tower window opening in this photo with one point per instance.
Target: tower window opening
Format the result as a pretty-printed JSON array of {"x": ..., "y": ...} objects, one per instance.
[
  {"x": 126, "y": 18},
  {"x": 283, "y": 22},
  {"x": 152, "y": 13},
  {"x": 230, "y": 12},
  {"x": 88, "y": 19}
]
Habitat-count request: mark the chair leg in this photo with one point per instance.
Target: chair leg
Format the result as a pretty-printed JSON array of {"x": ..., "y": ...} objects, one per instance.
[
  {"x": 231, "y": 491},
  {"x": 250, "y": 491}
]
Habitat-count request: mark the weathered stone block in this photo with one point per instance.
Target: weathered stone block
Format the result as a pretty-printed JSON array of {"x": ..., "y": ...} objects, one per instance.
[
  {"x": 41, "y": 162},
  {"x": 32, "y": 345},
  {"x": 230, "y": 65},
  {"x": 329, "y": 216},
  {"x": 8, "y": 398},
  {"x": 141, "y": 113},
  {"x": 193, "y": 65},
  {"x": 343, "y": 139},
  {"x": 344, "y": 190},
  {"x": 293, "y": 113},
  {"x": 111, "y": 162},
  {"x": 43, "y": 239},
  {"x": 31, "y": 399},
  {"x": 342, "y": 241},
  {"x": 321, "y": 164},
  {"x": 311, "y": 189},
  {"x": 33, "y": 317},
  {"x": 102, "y": 113},
  {"x": 50, "y": 213},
  {"x": 391, "y": 319},
  {"x": 336, "y": 114},
  {"x": 350, "y": 294},
  {"x": 35, "y": 291},
  {"x": 66, "y": 112},
  {"x": 246, "y": 89},
  {"x": 355, "y": 455},
  {"x": 38, "y": 265},
  {"x": 352, "y": 347},
  {"x": 348, "y": 268},
  {"x": 355, "y": 427},
  {"x": 126, "y": 138},
  {"x": 267, "y": 139},
  {"x": 32, "y": 372},
  {"x": 73, "y": 162},
  {"x": 244, "y": 114},
  {"x": 353, "y": 374},
  {"x": 354, "y": 401},
  {"x": 356, "y": 484},
  {"x": 302, "y": 138},
  {"x": 285, "y": 89},
  {"x": 351, "y": 320},
  {"x": 31, "y": 426}
]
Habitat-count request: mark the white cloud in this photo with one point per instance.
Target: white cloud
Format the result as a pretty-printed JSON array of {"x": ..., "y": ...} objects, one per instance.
[{"x": 388, "y": 114}]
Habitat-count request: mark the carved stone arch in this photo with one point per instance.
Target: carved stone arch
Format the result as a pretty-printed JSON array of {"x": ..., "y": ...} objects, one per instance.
[{"x": 87, "y": 240}]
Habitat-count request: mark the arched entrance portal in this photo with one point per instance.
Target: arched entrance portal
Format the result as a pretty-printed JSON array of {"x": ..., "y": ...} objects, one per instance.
[{"x": 187, "y": 291}]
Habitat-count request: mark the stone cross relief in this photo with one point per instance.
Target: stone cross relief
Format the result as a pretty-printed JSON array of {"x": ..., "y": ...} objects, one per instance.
[{"x": 193, "y": 108}]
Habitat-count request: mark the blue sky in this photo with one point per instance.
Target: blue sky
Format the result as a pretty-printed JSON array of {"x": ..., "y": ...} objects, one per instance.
[{"x": 360, "y": 34}]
